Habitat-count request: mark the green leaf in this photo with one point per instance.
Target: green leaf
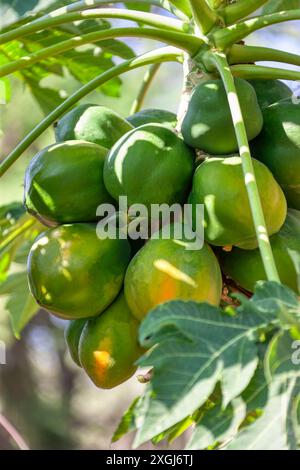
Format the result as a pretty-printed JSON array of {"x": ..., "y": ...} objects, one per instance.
[
  {"x": 5, "y": 90},
  {"x": 218, "y": 425},
  {"x": 195, "y": 346},
  {"x": 85, "y": 65},
  {"x": 20, "y": 303},
  {"x": 21, "y": 6},
  {"x": 278, "y": 427},
  {"x": 274, "y": 6},
  {"x": 47, "y": 98},
  {"x": 127, "y": 423}
]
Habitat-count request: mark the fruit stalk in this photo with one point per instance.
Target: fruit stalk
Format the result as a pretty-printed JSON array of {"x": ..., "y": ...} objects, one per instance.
[
  {"x": 225, "y": 37},
  {"x": 204, "y": 16},
  {"x": 147, "y": 80},
  {"x": 249, "y": 72},
  {"x": 242, "y": 8},
  {"x": 220, "y": 61},
  {"x": 239, "y": 54},
  {"x": 186, "y": 42},
  {"x": 149, "y": 19},
  {"x": 165, "y": 54}
]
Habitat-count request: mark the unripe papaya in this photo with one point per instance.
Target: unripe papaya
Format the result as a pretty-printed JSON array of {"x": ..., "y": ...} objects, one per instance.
[
  {"x": 278, "y": 147},
  {"x": 150, "y": 116},
  {"x": 219, "y": 185},
  {"x": 64, "y": 183},
  {"x": 149, "y": 165},
  {"x": 208, "y": 124},
  {"x": 246, "y": 267},
  {"x": 93, "y": 123},
  {"x": 75, "y": 274},
  {"x": 164, "y": 269},
  {"x": 73, "y": 332},
  {"x": 108, "y": 347},
  {"x": 270, "y": 91}
]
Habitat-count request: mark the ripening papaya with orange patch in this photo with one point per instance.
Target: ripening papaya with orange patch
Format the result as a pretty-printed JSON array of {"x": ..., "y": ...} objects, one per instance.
[{"x": 108, "y": 347}]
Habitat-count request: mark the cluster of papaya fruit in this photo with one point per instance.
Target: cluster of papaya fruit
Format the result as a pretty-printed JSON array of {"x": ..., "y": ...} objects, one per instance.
[{"x": 94, "y": 281}]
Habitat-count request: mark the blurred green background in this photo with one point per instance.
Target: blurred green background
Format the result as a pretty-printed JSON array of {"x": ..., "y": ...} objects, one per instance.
[{"x": 48, "y": 399}]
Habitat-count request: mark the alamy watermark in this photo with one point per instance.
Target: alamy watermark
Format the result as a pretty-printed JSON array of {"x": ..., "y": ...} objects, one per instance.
[
  {"x": 296, "y": 353},
  {"x": 138, "y": 221},
  {"x": 2, "y": 353}
]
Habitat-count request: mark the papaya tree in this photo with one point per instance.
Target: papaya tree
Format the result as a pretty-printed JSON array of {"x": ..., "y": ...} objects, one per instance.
[{"x": 218, "y": 328}]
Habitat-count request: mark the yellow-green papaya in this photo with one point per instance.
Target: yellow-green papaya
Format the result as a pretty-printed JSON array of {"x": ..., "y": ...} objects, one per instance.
[{"x": 75, "y": 274}]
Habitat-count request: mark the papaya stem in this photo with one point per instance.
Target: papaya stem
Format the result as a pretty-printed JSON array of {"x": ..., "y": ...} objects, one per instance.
[
  {"x": 220, "y": 61},
  {"x": 183, "y": 6},
  {"x": 149, "y": 19},
  {"x": 186, "y": 42},
  {"x": 147, "y": 80},
  {"x": 164, "y": 54},
  {"x": 13, "y": 433},
  {"x": 205, "y": 17},
  {"x": 239, "y": 54},
  {"x": 242, "y": 8},
  {"x": 225, "y": 37},
  {"x": 264, "y": 73}
]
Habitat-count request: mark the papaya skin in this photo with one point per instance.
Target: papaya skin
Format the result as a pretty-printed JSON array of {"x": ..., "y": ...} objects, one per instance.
[
  {"x": 246, "y": 267},
  {"x": 93, "y": 123},
  {"x": 108, "y": 347},
  {"x": 149, "y": 165},
  {"x": 208, "y": 124},
  {"x": 165, "y": 270},
  {"x": 74, "y": 274},
  {"x": 219, "y": 185},
  {"x": 270, "y": 91},
  {"x": 64, "y": 183},
  {"x": 73, "y": 332},
  {"x": 149, "y": 116},
  {"x": 278, "y": 147}
]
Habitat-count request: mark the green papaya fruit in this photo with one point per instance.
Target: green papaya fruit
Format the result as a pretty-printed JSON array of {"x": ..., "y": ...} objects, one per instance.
[
  {"x": 149, "y": 165},
  {"x": 93, "y": 123},
  {"x": 219, "y": 185},
  {"x": 73, "y": 332},
  {"x": 278, "y": 147},
  {"x": 64, "y": 183},
  {"x": 150, "y": 116},
  {"x": 108, "y": 347},
  {"x": 75, "y": 274},
  {"x": 270, "y": 91},
  {"x": 246, "y": 267},
  {"x": 164, "y": 269},
  {"x": 208, "y": 124}
]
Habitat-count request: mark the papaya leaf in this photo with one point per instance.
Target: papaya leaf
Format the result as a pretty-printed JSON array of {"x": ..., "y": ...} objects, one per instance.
[
  {"x": 195, "y": 346},
  {"x": 47, "y": 98},
  {"x": 174, "y": 431},
  {"x": 20, "y": 303},
  {"x": 83, "y": 64},
  {"x": 280, "y": 415},
  {"x": 280, "y": 5},
  {"x": 127, "y": 423},
  {"x": 218, "y": 425},
  {"x": 21, "y": 6},
  {"x": 5, "y": 90}
]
